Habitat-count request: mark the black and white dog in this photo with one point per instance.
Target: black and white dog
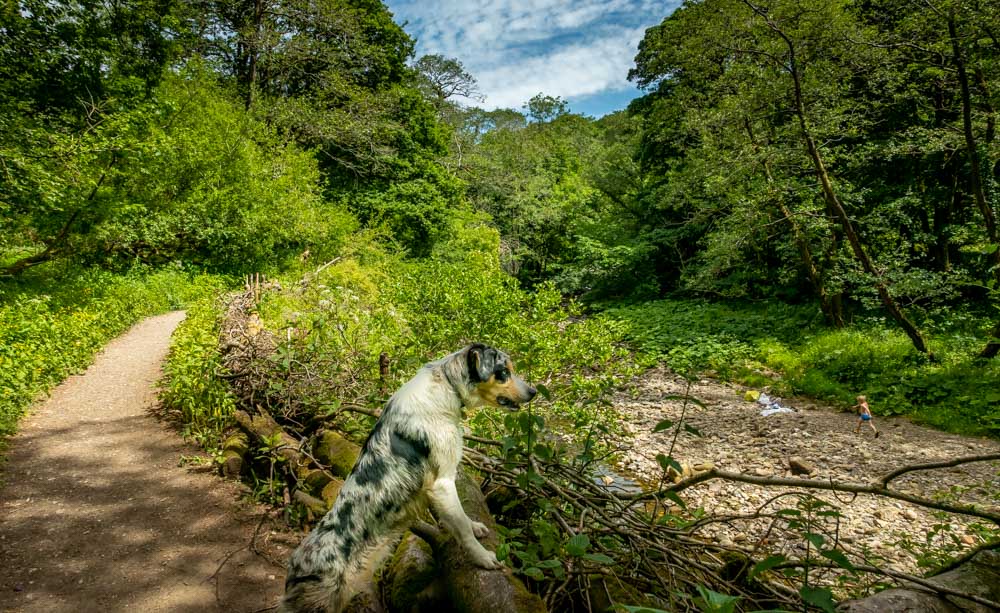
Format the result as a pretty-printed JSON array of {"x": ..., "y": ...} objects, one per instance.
[{"x": 410, "y": 459}]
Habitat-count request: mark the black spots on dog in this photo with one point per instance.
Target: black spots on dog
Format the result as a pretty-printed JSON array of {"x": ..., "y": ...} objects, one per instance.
[
  {"x": 370, "y": 470},
  {"x": 344, "y": 512},
  {"x": 388, "y": 507},
  {"x": 480, "y": 360},
  {"x": 292, "y": 581},
  {"x": 341, "y": 522},
  {"x": 412, "y": 449},
  {"x": 346, "y": 546}
]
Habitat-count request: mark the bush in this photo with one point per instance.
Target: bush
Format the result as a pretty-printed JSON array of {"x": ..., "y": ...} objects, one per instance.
[
  {"x": 332, "y": 329},
  {"x": 191, "y": 383},
  {"x": 51, "y": 327}
]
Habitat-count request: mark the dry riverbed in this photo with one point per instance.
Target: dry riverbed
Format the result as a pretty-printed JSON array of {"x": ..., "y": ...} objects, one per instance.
[{"x": 735, "y": 437}]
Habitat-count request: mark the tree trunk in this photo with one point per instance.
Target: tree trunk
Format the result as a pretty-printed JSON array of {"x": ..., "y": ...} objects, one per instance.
[
  {"x": 832, "y": 314},
  {"x": 976, "y": 178},
  {"x": 440, "y": 577}
]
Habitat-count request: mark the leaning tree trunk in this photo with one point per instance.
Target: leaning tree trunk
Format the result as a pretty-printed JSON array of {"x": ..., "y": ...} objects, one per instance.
[
  {"x": 832, "y": 200},
  {"x": 976, "y": 178},
  {"x": 829, "y": 307}
]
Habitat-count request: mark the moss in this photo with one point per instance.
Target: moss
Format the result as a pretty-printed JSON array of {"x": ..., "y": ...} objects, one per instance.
[
  {"x": 330, "y": 491},
  {"x": 335, "y": 451}
]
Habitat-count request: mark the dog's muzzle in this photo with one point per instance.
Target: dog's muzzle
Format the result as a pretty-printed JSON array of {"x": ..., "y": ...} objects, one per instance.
[
  {"x": 507, "y": 403},
  {"x": 510, "y": 404}
]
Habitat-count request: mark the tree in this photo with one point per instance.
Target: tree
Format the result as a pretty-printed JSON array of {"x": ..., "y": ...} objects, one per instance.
[
  {"x": 66, "y": 58},
  {"x": 444, "y": 78},
  {"x": 796, "y": 71},
  {"x": 543, "y": 108}
]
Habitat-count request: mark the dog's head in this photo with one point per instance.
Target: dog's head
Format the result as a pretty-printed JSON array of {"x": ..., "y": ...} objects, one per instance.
[{"x": 492, "y": 380}]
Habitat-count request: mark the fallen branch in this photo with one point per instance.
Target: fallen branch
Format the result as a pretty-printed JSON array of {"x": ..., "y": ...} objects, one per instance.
[{"x": 815, "y": 484}]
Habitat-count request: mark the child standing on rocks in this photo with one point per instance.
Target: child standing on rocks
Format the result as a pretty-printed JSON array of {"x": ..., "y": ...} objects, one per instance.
[{"x": 864, "y": 415}]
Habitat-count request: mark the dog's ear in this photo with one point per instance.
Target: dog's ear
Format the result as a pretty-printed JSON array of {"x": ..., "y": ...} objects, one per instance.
[{"x": 479, "y": 362}]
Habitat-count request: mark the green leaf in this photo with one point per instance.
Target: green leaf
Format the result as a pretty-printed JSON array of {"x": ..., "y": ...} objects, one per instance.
[
  {"x": 533, "y": 572},
  {"x": 692, "y": 430},
  {"x": 667, "y": 462},
  {"x": 765, "y": 565},
  {"x": 600, "y": 558},
  {"x": 838, "y": 557},
  {"x": 663, "y": 425},
  {"x": 816, "y": 539},
  {"x": 578, "y": 545},
  {"x": 675, "y": 498},
  {"x": 715, "y": 602},
  {"x": 819, "y": 597},
  {"x": 544, "y": 391}
]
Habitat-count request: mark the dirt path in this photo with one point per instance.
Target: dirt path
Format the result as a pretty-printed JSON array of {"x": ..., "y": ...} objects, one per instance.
[
  {"x": 736, "y": 437},
  {"x": 97, "y": 512}
]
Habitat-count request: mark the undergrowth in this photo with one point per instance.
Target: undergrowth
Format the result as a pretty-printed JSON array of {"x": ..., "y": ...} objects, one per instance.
[
  {"x": 51, "y": 325},
  {"x": 333, "y": 326},
  {"x": 791, "y": 350},
  {"x": 191, "y": 384}
]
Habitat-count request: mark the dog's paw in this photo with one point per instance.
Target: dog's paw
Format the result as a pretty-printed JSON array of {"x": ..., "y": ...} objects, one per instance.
[
  {"x": 484, "y": 558},
  {"x": 480, "y": 530}
]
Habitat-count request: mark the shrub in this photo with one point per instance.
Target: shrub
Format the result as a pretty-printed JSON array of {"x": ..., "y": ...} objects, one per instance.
[{"x": 191, "y": 383}]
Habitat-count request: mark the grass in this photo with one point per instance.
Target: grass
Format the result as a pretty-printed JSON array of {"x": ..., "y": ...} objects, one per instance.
[{"x": 790, "y": 349}]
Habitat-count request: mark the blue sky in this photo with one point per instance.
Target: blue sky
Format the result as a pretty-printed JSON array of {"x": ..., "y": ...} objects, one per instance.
[{"x": 580, "y": 50}]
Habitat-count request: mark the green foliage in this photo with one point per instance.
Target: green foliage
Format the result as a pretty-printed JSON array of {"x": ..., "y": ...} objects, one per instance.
[
  {"x": 192, "y": 383},
  {"x": 418, "y": 310},
  {"x": 51, "y": 326},
  {"x": 186, "y": 176},
  {"x": 788, "y": 348}
]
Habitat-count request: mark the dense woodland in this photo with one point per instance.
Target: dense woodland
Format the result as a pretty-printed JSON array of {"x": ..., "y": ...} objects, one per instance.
[{"x": 805, "y": 196}]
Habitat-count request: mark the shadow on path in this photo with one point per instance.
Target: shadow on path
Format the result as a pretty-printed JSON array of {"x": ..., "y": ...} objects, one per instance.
[{"x": 97, "y": 513}]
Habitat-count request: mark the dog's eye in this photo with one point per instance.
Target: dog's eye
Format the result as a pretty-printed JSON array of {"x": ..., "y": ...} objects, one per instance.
[{"x": 502, "y": 375}]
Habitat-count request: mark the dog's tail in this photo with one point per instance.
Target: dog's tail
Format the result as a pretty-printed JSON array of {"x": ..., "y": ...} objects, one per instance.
[{"x": 314, "y": 594}]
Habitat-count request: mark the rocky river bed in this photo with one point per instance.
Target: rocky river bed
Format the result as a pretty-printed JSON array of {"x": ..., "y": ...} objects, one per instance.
[{"x": 819, "y": 443}]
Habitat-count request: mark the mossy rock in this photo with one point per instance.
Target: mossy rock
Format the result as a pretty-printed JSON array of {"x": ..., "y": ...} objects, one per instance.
[
  {"x": 315, "y": 480},
  {"x": 237, "y": 443},
  {"x": 410, "y": 577},
  {"x": 330, "y": 492},
  {"x": 333, "y": 450}
]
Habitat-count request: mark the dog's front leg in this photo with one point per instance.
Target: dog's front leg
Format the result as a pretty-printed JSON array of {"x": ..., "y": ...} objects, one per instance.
[{"x": 444, "y": 499}]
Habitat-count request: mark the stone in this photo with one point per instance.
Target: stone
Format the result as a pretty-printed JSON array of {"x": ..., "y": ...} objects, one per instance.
[{"x": 801, "y": 466}]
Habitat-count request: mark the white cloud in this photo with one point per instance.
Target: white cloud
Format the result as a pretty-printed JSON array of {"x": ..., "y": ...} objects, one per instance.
[
  {"x": 517, "y": 48},
  {"x": 581, "y": 69}
]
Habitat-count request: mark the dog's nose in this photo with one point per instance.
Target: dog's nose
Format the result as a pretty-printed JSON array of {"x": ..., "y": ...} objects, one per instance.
[{"x": 531, "y": 392}]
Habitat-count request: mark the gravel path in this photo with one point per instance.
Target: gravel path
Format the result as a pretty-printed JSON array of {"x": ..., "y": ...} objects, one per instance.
[
  {"x": 98, "y": 511},
  {"x": 737, "y": 438}
]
